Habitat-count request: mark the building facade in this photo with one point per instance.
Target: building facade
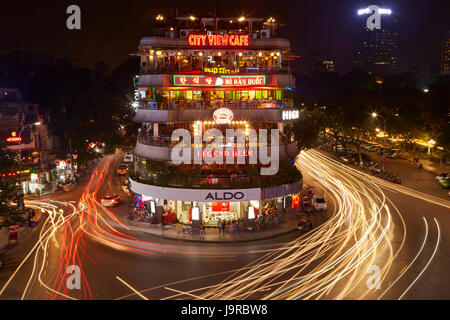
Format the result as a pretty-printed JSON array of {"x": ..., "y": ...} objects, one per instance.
[
  {"x": 318, "y": 64},
  {"x": 445, "y": 63},
  {"x": 376, "y": 50},
  {"x": 34, "y": 144},
  {"x": 205, "y": 78}
]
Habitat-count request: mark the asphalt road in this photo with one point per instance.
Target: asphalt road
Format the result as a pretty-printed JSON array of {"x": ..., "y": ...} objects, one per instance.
[
  {"x": 410, "y": 175},
  {"x": 408, "y": 241}
]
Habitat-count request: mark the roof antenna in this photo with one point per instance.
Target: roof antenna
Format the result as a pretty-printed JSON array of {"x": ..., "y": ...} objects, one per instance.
[{"x": 215, "y": 19}]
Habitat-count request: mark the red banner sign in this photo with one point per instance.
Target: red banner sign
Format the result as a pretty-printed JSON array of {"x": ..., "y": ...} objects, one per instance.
[
  {"x": 220, "y": 81},
  {"x": 220, "y": 206},
  {"x": 218, "y": 40}
]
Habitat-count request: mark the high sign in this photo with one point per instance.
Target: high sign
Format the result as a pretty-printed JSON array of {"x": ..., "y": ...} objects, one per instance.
[
  {"x": 218, "y": 40},
  {"x": 290, "y": 114},
  {"x": 219, "y": 81}
]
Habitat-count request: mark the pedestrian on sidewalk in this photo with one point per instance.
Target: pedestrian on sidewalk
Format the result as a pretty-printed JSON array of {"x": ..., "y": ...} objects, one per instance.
[
  {"x": 29, "y": 218},
  {"x": 224, "y": 224},
  {"x": 202, "y": 230},
  {"x": 310, "y": 225},
  {"x": 220, "y": 226}
]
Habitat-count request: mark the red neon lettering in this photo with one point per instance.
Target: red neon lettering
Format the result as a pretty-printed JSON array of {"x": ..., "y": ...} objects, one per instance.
[
  {"x": 225, "y": 40},
  {"x": 191, "y": 40},
  {"x": 14, "y": 139},
  {"x": 212, "y": 40},
  {"x": 218, "y": 40}
]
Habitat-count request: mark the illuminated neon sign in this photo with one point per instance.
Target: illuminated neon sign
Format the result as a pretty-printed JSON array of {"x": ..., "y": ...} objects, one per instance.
[
  {"x": 220, "y": 70},
  {"x": 290, "y": 114},
  {"x": 14, "y": 139},
  {"x": 225, "y": 153},
  {"x": 369, "y": 10},
  {"x": 218, "y": 40},
  {"x": 374, "y": 20},
  {"x": 223, "y": 116},
  {"x": 220, "y": 81}
]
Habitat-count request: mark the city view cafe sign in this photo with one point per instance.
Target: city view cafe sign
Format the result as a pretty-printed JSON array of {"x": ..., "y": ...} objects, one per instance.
[{"x": 218, "y": 40}]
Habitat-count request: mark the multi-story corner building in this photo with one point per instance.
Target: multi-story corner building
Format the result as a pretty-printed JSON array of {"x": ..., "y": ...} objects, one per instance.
[
  {"x": 445, "y": 63},
  {"x": 376, "y": 50},
  {"x": 202, "y": 74}
]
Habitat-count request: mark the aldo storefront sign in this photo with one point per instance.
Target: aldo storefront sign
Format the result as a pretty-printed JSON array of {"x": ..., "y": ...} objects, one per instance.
[
  {"x": 199, "y": 195},
  {"x": 213, "y": 196}
]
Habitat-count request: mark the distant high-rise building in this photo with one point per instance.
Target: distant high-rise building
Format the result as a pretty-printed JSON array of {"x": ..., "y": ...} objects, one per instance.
[
  {"x": 376, "y": 50},
  {"x": 445, "y": 62},
  {"x": 316, "y": 63},
  {"x": 328, "y": 65}
]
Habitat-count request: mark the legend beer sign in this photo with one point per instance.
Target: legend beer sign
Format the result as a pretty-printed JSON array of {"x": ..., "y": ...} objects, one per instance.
[
  {"x": 218, "y": 40},
  {"x": 219, "y": 81}
]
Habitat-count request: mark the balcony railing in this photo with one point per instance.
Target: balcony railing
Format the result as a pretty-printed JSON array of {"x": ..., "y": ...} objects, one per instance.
[
  {"x": 233, "y": 181},
  {"x": 183, "y": 105},
  {"x": 177, "y": 69}
]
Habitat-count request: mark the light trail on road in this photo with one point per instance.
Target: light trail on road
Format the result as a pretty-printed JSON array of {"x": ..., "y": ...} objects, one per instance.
[
  {"x": 55, "y": 221},
  {"x": 329, "y": 262}
]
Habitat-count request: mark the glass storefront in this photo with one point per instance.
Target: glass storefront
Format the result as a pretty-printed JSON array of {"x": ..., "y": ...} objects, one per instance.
[{"x": 211, "y": 212}]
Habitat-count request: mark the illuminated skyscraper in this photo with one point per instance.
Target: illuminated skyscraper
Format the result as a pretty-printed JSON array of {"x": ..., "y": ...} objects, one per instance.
[{"x": 376, "y": 51}]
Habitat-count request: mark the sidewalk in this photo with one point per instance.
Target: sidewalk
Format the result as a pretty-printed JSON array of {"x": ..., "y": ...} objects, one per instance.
[
  {"x": 431, "y": 166},
  {"x": 175, "y": 232}
]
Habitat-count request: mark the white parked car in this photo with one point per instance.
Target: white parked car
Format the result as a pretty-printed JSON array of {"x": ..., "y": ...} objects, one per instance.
[
  {"x": 319, "y": 203},
  {"x": 128, "y": 157},
  {"x": 440, "y": 178}
]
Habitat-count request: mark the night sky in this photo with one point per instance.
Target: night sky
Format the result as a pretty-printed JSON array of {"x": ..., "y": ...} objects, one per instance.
[{"x": 110, "y": 30}]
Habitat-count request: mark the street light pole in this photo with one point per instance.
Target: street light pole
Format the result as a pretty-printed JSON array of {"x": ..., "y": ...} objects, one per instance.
[
  {"x": 20, "y": 201},
  {"x": 375, "y": 115}
]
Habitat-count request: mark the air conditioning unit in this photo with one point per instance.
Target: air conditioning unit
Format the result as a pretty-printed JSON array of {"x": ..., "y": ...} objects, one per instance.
[
  {"x": 253, "y": 36},
  {"x": 184, "y": 33},
  {"x": 264, "y": 34}
]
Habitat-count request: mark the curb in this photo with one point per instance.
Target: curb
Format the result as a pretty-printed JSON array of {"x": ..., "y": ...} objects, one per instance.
[
  {"x": 231, "y": 241},
  {"x": 211, "y": 241}
]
